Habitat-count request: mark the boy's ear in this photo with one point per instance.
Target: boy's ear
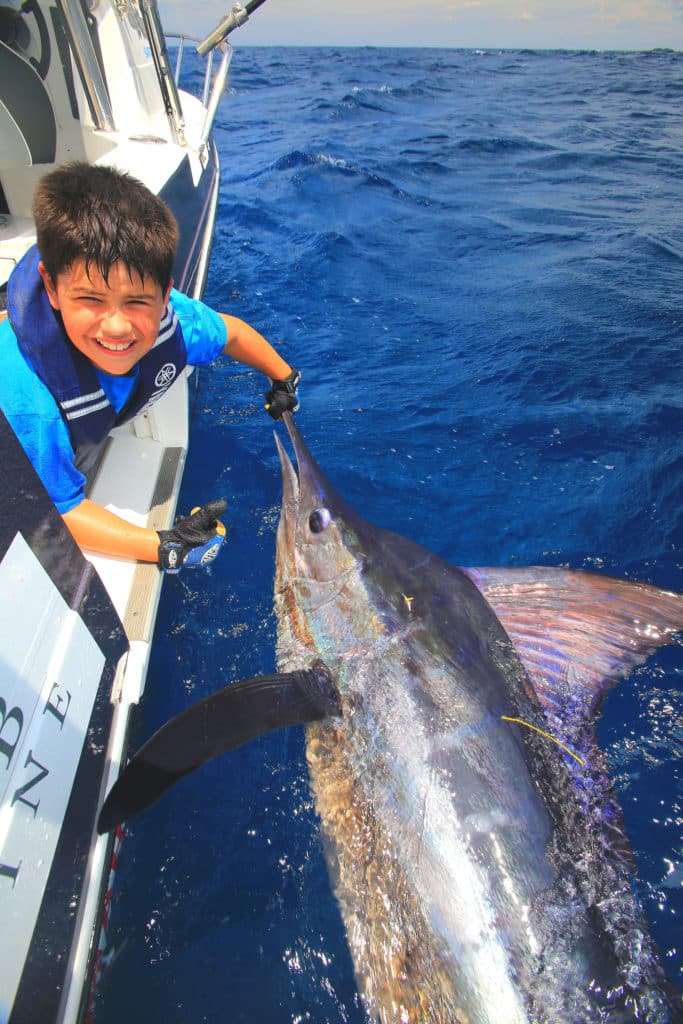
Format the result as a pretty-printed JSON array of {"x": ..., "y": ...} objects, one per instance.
[
  {"x": 168, "y": 292},
  {"x": 49, "y": 285}
]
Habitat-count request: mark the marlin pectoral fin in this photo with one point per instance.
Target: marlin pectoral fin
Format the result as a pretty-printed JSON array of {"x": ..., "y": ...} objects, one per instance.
[
  {"x": 578, "y": 630},
  {"x": 221, "y": 722}
]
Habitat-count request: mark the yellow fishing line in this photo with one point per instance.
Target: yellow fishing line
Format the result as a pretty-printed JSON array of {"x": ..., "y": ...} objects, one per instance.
[{"x": 520, "y": 721}]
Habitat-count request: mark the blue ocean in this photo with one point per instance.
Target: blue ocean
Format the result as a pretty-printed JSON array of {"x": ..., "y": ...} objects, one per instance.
[{"x": 475, "y": 259}]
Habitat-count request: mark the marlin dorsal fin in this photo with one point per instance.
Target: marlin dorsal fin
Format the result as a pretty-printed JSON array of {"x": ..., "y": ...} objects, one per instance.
[{"x": 577, "y": 631}]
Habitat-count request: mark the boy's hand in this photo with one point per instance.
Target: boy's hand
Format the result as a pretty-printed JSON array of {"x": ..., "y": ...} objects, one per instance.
[
  {"x": 282, "y": 396},
  {"x": 194, "y": 540}
]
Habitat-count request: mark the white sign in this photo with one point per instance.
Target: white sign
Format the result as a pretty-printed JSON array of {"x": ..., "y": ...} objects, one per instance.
[{"x": 50, "y": 669}]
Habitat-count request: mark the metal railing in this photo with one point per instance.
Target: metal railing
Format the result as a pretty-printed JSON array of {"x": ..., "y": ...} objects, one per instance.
[{"x": 214, "y": 84}]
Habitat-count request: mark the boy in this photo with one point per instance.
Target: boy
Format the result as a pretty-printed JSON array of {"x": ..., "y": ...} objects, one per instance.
[{"x": 95, "y": 334}]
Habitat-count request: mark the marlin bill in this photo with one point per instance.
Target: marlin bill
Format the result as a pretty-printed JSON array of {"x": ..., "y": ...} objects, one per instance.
[{"x": 474, "y": 838}]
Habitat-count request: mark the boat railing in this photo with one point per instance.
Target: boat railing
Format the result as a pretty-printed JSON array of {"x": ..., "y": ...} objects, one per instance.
[{"x": 213, "y": 84}]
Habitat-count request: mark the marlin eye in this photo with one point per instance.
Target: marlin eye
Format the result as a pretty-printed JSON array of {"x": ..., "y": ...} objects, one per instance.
[{"x": 319, "y": 520}]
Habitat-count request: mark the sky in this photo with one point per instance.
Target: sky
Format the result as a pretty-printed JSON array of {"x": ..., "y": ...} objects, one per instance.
[{"x": 539, "y": 24}]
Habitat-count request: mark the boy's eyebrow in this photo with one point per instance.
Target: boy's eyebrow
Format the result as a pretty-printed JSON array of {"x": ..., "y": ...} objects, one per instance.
[{"x": 84, "y": 289}]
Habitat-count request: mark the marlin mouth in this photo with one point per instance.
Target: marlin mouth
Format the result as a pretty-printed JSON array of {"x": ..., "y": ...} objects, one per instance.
[
  {"x": 290, "y": 479},
  {"x": 305, "y": 488},
  {"x": 289, "y": 512}
]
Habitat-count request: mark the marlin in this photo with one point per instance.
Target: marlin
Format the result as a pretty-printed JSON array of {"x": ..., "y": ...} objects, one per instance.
[{"x": 475, "y": 840}]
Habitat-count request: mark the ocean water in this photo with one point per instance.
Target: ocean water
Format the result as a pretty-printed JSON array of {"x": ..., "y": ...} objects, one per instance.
[{"x": 475, "y": 260}]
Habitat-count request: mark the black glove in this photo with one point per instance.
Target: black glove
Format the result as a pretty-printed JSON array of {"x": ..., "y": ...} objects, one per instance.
[
  {"x": 194, "y": 540},
  {"x": 282, "y": 396}
]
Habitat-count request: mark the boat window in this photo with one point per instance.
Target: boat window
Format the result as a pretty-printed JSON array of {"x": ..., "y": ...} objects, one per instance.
[
  {"x": 29, "y": 129},
  {"x": 13, "y": 30},
  {"x": 136, "y": 45}
]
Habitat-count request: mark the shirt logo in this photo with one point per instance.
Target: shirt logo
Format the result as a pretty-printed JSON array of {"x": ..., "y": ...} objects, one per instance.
[{"x": 165, "y": 375}]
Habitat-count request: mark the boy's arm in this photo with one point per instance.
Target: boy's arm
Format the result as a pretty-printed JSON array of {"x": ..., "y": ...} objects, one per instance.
[
  {"x": 195, "y": 540},
  {"x": 248, "y": 346},
  {"x": 97, "y": 529}
]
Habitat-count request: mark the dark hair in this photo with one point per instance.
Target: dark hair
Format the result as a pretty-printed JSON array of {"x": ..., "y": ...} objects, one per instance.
[{"x": 103, "y": 215}]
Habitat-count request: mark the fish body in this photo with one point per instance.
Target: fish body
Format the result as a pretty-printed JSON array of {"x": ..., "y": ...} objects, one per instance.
[
  {"x": 474, "y": 838},
  {"x": 475, "y": 842}
]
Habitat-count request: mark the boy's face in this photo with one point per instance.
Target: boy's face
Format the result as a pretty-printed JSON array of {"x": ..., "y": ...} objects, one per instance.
[{"x": 113, "y": 323}]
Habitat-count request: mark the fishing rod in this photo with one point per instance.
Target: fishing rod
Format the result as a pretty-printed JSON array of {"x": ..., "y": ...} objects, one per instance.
[{"x": 237, "y": 16}]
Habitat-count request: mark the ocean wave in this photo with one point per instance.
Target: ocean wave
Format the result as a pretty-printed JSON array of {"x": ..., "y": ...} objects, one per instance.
[
  {"x": 296, "y": 159},
  {"x": 326, "y": 171},
  {"x": 667, "y": 246},
  {"x": 501, "y": 144},
  {"x": 362, "y": 99}
]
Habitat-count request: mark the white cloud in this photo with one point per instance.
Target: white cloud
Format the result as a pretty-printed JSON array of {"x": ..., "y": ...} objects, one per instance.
[{"x": 625, "y": 11}]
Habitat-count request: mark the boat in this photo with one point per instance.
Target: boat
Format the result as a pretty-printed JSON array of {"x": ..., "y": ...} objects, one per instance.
[{"x": 96, "y": 81}]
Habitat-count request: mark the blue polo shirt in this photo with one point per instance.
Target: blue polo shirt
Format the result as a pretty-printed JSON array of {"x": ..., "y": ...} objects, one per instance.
[{"x": 34, "y": 415}]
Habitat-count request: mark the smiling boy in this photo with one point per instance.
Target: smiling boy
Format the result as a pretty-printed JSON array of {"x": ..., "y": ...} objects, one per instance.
[{"x": 96, "y": 334}]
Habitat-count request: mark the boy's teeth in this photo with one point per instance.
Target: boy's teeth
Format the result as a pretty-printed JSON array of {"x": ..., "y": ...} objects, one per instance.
[{"x": 114, "y": 347}]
